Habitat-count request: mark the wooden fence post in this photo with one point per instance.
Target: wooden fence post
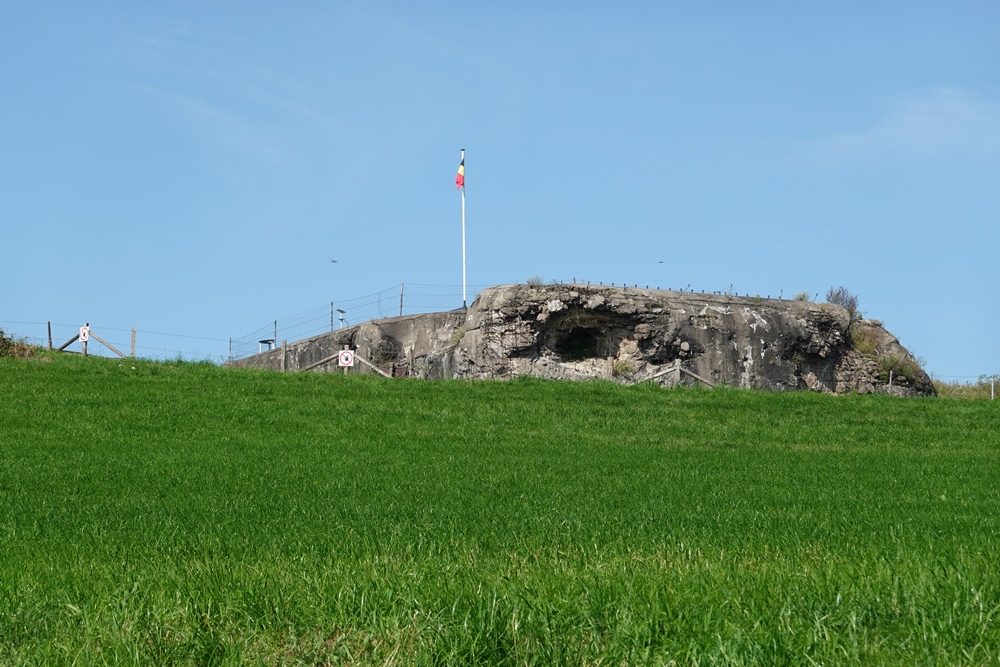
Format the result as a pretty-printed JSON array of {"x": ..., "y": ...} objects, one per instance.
[
  {"x": 107, "y": 344},
  {"x": 69, "y": 342}
]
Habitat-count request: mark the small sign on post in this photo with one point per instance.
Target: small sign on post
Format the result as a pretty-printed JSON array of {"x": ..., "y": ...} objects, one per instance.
[
  {"x": 346, "y": 358},
  {"x": 84, "y": 336}
]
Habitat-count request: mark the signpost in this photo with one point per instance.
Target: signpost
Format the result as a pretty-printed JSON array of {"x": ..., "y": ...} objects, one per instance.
[{"x": 84, "y": 336}]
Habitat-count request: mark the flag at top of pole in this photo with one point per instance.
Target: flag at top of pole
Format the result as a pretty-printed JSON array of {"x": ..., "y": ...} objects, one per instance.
[{"x": 460, "y": 184}]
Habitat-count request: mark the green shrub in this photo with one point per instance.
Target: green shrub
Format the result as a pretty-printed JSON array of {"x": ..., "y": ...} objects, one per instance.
[
  {"x": 900, "y": 367},
  {"x": 622, "y": 368},
  {"x": 964, "y": 390},
  {"x": 14, "y": 347},
  {"x": 864, "y": 340}
]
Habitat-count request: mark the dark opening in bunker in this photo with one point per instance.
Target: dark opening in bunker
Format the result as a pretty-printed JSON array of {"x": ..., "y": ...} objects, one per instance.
[{"x": 579, "y": 343}]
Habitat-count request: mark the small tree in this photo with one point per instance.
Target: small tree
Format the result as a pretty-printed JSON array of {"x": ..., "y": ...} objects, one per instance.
[{"x": 843, "y": 297}]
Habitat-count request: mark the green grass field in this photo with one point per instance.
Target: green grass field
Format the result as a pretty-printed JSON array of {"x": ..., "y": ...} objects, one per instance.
[{"x": 159, "y": 513}]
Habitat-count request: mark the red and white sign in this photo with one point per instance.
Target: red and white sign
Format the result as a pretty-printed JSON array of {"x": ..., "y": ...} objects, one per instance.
[
  {"x": 84, "y": 334},
  {"x": 346, "y": 358}
]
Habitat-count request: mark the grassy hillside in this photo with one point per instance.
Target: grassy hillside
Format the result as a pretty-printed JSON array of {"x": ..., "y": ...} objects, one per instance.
[{"x": 188, "y": 514}]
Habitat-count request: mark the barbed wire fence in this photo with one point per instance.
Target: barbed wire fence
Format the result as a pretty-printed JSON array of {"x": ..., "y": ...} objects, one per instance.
[
  {"x": 403, "y": 299},
  {"x": 395, "y": 301},
  {"x": 148, "y": 344}
]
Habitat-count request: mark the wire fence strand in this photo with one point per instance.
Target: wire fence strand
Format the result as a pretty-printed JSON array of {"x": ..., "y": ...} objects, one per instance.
[
  {"x": 404, "y": 299},
  {"x": 148, "y": 344}
]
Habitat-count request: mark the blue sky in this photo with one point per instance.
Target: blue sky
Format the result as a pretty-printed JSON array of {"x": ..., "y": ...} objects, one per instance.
[{"x": 190, "y": 168}]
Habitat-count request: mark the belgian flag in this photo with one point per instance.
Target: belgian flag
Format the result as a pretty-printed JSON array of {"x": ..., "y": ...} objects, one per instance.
[{"x": 460, "y": 178}]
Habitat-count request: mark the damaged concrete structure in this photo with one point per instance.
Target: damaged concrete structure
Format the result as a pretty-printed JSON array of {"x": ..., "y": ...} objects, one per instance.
[{"x": 627, "y": 335}]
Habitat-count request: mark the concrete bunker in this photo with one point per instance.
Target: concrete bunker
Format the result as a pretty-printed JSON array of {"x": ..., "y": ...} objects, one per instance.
[{"x": 577, "y": 331}]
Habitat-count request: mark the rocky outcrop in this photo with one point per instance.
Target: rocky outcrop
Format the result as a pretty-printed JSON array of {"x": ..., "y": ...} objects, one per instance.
[{"x": 628, "y": 335}]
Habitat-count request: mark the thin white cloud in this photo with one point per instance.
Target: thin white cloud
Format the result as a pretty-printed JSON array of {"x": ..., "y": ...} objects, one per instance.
[
  {"x": 225, "y": 127},
  {"x": 941, "y": 123}
]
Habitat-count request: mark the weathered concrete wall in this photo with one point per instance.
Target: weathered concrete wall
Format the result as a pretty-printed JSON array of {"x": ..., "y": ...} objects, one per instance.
[
  {"x": 629, "y": 335},
  {"x": 411, "y": 345}
]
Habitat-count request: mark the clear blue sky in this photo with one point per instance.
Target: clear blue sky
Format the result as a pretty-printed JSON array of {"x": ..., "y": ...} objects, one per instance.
[{"x": 191, "y": 167}]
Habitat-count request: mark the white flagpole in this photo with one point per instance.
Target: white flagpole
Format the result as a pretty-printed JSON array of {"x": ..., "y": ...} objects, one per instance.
[{"x": 463, "y": 236}]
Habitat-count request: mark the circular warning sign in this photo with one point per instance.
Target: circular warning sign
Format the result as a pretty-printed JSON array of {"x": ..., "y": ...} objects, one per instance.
[
  {"x": 84, "y": 334},
  {"x": 346, "y": 358}
]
